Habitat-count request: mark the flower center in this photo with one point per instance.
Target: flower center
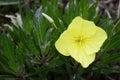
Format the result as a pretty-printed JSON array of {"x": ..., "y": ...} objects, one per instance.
[{"x": 78, "y": 39}]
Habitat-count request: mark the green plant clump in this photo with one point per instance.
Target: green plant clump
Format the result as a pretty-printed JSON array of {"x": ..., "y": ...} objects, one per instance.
[{"x": 27, "y": 47}]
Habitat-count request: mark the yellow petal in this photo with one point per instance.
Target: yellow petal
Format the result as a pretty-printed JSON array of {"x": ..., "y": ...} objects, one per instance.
[
  {"x": 81, "y": 56},
  {"x": 63, "y": 43},
  {"x": 82, "y": 28},
  {"x": 87, "y": 60},
  {"x": 76, "y": 26},
  {"x": 94, "y": 43}
]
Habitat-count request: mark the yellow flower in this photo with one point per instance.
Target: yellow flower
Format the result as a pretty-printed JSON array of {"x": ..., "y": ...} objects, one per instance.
[{"x": 81, "y": 41}]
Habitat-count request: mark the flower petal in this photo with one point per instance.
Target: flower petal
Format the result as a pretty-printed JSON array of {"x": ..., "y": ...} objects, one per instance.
[
  {"x": 80, "y": 56},
  {"x": 76, "y": 26},
  {"x": 94, "y": 43},
  {"x": 82, "y": 28},
  {"x": 87, "y": 59},
  {"x": 63, "y": 43}
]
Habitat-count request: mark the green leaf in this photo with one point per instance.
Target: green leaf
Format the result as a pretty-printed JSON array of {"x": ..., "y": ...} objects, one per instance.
[
  {"x": 13, "y": 2},
  {"x": 20, "y": 57},
  {"x": 113, "y": 43},
  {"x": 84, "y": 7},
  {"x": 21, "y": 36},
  {"x": 110, "y": 58},
  {"x": 8, "y": 48}
]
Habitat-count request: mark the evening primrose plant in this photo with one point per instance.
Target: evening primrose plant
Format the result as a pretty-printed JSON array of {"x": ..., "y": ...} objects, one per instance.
[{"x": 59, "y": 41}]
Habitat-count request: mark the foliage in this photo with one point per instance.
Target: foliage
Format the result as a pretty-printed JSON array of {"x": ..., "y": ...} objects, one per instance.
[{"x": 27, "y": 52}]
